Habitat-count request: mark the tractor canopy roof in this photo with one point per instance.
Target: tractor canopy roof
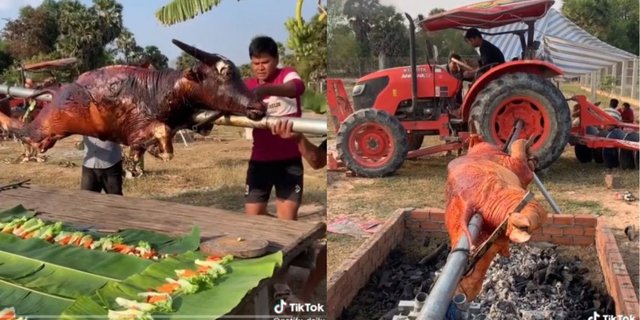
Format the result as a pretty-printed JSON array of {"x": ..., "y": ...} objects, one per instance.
[
  {"x": 488, "y": 14},
  {"x": 52, "y": 64}
]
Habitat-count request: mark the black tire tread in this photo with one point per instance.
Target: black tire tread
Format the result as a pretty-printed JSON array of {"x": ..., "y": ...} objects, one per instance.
[
  {"x": 514, "y": 82},
  {"x": 372, "y": 115}
]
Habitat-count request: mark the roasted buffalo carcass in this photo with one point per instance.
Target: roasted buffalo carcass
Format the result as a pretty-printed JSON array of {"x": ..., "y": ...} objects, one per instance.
[
  {"x": 133, "y": 105},
  {"x": 492, "y": 183}
]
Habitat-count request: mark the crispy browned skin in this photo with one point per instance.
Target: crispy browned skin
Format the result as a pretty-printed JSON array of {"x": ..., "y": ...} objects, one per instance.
[
  {"x": 131, "y": 105},
  {"x": 491, "y": 183}
]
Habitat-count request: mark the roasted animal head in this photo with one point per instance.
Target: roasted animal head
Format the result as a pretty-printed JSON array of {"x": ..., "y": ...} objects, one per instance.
[
  {"x": 522, "y": 224},
  {"x": 216, "y": 84}
]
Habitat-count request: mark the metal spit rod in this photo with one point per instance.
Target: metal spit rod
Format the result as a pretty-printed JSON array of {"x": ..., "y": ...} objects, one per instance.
[
  {"x": 438, "y": 300},
  {"x": 300, "y": 125},
  {"x": 536, "y": 180}
]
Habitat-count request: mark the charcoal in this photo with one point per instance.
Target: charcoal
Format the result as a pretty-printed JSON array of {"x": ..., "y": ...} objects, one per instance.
[{"x": 534, "y": 283}]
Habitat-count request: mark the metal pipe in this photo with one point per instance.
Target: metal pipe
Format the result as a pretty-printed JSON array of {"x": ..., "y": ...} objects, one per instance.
[
  {"x": 546, "y": 194},
  {"x": 419, "y": 301},
  {"x": 439, "y": 298},
  {"x": 23, "y": 92},
  {"x": 300, "y": 125}
]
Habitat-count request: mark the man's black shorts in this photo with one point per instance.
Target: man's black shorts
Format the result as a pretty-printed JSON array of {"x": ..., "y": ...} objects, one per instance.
[{"x": 286, "y": 176}]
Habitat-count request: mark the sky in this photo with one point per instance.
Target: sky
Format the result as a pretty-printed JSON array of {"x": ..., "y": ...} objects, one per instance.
[
  {"x": 415, "y": 7},
  {"x": 227, "y": 29}
]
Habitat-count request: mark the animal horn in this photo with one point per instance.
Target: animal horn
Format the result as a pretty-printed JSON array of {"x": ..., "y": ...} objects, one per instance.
[{"x": 203, "y": 56}]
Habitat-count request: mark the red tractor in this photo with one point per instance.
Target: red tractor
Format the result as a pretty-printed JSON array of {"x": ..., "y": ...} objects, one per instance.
[
  {"x": 393, "y": 109},
  {"x": 18, "y": 106}
]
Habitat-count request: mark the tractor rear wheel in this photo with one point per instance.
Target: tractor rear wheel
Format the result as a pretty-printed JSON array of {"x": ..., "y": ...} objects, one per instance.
[
  {"x": 371, "y": 143},
  {"x": 532, "y": 99},
  {"x": 583, "y": 153},
  {"x": 628, "y": 158},
  {"x": 610, "y": 155}
]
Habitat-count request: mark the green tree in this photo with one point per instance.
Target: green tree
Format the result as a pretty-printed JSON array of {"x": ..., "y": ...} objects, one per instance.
[
  {"x": 245, "y": 70},
  {"x": 447, "y": 41},
  {"x": 85, "y": 32},
  {"x": 612, "y": 21},
  {"x": 127, "y": 47},
  {"x": 389, "y": 36},
  {"x": 158, "y": 60},
  {"x": 308, "y": 41},
  {"x": 35, "y": 31},
  {"x": 344, "y": 50},
  {"x": 186, "y": 61},
  {"x": 6, "y": 60}
]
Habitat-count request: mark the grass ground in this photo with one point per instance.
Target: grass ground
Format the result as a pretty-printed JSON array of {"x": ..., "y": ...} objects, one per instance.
[
  {"x": 577, "y": 188},
  {"x": 208, "y": 172}
]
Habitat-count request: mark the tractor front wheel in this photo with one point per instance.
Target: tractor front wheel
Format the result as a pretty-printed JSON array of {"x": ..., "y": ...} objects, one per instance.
[
  {"x": 535, "y": 101},
  {"x": 415, "y": 141},
  {"x": 371, "y": 143}
]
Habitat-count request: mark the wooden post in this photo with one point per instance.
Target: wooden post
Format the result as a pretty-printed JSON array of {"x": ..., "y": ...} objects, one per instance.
[
  {"x": 594, "y": 86},
  {"x": 614, "y": 75},
  {"x": 623, "y": 77},
  {"x": 634, "y": 80}
]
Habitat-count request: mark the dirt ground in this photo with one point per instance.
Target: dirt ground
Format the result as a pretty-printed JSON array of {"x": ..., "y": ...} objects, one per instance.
[
  {"x": 209, "y": 171},
  {"x": 577, "y": 188}
]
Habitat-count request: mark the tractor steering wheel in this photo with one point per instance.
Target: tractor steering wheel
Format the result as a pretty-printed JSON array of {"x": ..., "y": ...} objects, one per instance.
[{"x": 482, "y": 70}]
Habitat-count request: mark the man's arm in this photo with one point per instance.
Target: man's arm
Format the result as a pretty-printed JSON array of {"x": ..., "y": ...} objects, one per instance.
[
  {"x": 315, "y": 156},
  {"x": 292, "y": 87}
]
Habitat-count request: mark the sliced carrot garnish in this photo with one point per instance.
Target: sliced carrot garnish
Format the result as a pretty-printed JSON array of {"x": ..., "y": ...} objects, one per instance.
[
  {"x": 153, "y": 299},
  {"x": 122, "y": 248},
  {"x": 168, "y": 287},
  {"x": 29, "y": 235},
  {"x": 203, "y": 269},
  {"x": 65, "y": 240},
  {"x": 189, "y": 273}
]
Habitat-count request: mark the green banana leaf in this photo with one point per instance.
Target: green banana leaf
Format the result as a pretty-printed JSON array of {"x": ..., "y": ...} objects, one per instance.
[
  {"x": 46, "y": 277},
  {"x": 109, "y": 264},
  {"x": 162, "y": 243},
  {"x": 226, "y": 294},
  {"x": 15, "y": 212},
  {"x": 31, "y": 302}
]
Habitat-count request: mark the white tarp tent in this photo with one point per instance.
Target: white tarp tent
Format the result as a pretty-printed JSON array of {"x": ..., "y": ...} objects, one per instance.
[{"x": 562, "y": 43}]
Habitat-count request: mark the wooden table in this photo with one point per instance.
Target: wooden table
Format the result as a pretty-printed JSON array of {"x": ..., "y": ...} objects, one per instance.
[{"x": 90, "y": 209}]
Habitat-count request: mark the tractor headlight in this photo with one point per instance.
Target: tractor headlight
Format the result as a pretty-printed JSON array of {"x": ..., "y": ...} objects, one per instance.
[{"x": 358, "y": 89}]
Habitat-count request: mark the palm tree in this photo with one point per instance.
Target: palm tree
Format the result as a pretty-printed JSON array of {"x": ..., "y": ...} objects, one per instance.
[{"x": 183, "y": 10}]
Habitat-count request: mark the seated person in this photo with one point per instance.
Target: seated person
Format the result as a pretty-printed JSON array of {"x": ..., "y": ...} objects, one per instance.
[
  {"x": 489, "y": 53},
  {"x": 627, "y": 113},
  {"x": 455, "y": 70}
]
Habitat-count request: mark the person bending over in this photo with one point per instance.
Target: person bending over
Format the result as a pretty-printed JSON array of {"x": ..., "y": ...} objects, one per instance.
[{"x": 102, "y": 166}]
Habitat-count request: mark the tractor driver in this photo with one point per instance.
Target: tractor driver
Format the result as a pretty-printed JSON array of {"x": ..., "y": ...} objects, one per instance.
[{"x": 489, "y": 53}]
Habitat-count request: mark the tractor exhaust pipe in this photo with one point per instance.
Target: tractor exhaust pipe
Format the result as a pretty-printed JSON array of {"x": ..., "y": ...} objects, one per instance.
[
  {"x": 412, "y": 56},
  {"x": 300, "y": 125}
]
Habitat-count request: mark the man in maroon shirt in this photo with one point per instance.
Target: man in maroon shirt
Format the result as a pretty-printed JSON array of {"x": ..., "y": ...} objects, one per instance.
[
  {"x": 275, "y": 162},
  {"x": 627, "y": 113}
]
